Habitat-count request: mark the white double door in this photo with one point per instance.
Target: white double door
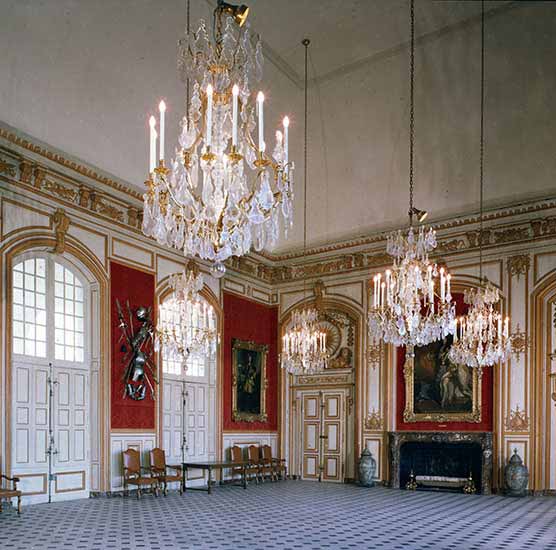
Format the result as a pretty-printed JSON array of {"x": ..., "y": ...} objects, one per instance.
[
  {"x": 69, "y": 418},
  {"x": 322, "y": 424},
  {"x": 200, "y": 411}
]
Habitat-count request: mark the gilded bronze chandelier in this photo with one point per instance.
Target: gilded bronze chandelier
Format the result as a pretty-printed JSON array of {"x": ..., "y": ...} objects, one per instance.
[
  {"x": 412, "y": 303},
  {"x": 225, "y": 191},
  {"x": 304, "y": 344},
  {"x": 482, "y": 337}
]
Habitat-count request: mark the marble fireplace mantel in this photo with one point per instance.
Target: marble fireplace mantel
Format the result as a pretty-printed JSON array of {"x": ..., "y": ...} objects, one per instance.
[{"x": 484, "y": 439}]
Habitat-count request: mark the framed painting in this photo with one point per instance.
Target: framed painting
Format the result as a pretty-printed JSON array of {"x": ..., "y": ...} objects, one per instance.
[
  {"x": 249, "y": 381},
  {"x": 437, "y": 389}
]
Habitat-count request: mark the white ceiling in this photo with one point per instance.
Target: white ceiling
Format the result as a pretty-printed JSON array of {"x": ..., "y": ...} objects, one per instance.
[{"x": 83, "y": 76}]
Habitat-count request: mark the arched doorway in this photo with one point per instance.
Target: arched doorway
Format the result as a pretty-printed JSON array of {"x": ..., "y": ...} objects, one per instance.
[
  {"x": 543, "y": 357},
  {"x": 321, "y": 412},
  {"x": 200, "y": 385},
  {"x": 55, "y": 406}
]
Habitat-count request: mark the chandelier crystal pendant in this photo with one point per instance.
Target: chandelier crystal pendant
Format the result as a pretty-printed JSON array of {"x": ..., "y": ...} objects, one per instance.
[
  {"x": 482, "y": 338},
  {"x": 225, "y": 191},
  {"x": 412, "y": 303},
  {"x": 186, "y": 323},
  {"x": 304, "y": 344}
]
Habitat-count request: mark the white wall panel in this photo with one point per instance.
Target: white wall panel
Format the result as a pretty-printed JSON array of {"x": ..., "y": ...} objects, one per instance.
[{"x": 120, "y": 442}]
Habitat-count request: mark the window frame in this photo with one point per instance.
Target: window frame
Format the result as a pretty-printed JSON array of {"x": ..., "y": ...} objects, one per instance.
[
  {"x": 209, "y": 363},
  {"x": 50, "y": 263}
]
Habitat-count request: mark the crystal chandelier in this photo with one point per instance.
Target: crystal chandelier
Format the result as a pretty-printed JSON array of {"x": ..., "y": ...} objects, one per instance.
[
  {"x": 186, "y": 323},
  {"x": 304, "y": 344},
  {"x": 482, "y": 339},
  {"x": 225, "y": 191},
  {"x": 406, "y": 307}
]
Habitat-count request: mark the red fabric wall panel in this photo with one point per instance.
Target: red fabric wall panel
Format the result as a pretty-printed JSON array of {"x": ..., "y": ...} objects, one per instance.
[
  {"x": 137, "y": 287},
  {"x": 487, "y": 406},
  {"x": 248, "y": 320}
]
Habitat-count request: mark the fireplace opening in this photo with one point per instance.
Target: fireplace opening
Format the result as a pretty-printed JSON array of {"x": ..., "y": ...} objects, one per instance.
[{"x": 438, "y": 464}]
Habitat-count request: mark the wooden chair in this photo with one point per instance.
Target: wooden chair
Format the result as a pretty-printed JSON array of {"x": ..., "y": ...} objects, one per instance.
[
  {"x": 159, "y": 470},
  {"x": 267, "y": 463},
  {"x": 7, "y": 493},
  {"x": 254, "y": 466},
  {"x": 278, "y": 464},
  {"x": 133, "y": 473},
  {"x": 236, "y": 455}
]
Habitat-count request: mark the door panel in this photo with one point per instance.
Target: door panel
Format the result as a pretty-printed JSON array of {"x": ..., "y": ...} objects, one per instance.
[
  {"x": 323, "y": 446},
  {"x": 70, "y": 425}
]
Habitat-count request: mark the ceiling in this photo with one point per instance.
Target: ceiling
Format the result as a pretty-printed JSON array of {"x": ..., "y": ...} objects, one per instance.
[
  {"x": 83, "y": 76},
  {"x": 346, "y": 33}
]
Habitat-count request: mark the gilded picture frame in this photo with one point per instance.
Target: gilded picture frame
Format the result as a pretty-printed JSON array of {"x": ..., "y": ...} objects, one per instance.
[
  {"x": 446, "y": 392},
  {"x": 249, "y": 381}
]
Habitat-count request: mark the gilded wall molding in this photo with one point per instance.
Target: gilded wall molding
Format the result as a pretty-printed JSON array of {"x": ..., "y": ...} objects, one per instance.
[
  {"x": 520, "y": 342},
  {"x": 517, "y": 421},
  {"x": 519, "y": 265},
  {"x": 26, "y": 173},
  {"x": 374, "y": 421},
  {"x": 66, "y": 163},
  {"x": 505, "y": 234},
  {"x": 374, "y": 355},
  {"x": 60, "y": 222}
]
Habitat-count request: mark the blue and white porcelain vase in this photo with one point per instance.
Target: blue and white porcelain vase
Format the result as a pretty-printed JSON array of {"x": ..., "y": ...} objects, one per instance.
[
  {"x": 367, "y": 469},
  {"x": 516, "y": 476}
]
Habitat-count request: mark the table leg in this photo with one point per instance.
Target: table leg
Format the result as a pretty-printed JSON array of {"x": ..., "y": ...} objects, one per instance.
[
  {"x": 184, "y": 478},
  {"x": 244, "y": 475},
  {"x": 209, "y": 480}
]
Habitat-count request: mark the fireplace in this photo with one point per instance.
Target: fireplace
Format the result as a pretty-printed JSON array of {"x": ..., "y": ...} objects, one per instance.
[{"x": 441, "y": 456}]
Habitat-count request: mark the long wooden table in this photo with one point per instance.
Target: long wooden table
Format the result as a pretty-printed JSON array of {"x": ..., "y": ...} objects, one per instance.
[{"x": 210, "y": 466}]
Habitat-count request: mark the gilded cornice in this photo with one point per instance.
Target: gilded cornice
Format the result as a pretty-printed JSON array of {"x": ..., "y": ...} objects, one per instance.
[
  {"x": 440, "y": 226},
  {"x": 508, "y": 226},
  {"x": 493, "y": 237},
  {"x": 40, "y": 180},
  {"x": 66, "y": 163}
]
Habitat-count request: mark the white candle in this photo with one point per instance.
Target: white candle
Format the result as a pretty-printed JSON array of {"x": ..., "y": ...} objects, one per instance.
[
  {"x": 442, "y": 285},
  {"x": 260, "y": 112},
  {"x": 506, "y": 327},
  {"x": 208, "y": 137},
  {"x": 235, "y": 93},
  {"x": 152, "y": 156},
  {"x": 448, "y": 294},
  {"x": 286, "y": 124},
  {"x": 382, "y": 287},
  {"x": 162, "y": 109},
  {"x": 499, "y": 326}
]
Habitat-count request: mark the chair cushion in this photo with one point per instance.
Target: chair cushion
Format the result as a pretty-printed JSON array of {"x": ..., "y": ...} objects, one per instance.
[
  {"x": 141, "y": 481},
  {"x": 9, "y": 493}
]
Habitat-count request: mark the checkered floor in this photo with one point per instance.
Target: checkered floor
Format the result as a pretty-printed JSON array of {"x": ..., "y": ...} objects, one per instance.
[{"x": 291, "y": 514}]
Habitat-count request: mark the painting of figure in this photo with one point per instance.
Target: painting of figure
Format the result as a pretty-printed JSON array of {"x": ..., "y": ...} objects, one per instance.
[
  {"x": 440, "y": 384},
  {"x": 249, "y": 380}
]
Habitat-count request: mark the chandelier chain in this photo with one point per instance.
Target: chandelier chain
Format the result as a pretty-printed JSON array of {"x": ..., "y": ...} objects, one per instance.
[
  {"x": 306, "y": 43},
  {"x": 482, "y": 141},
  {"x": 188, "y": 30},
  {"x": 412, "y": 304},
  {"x": 411, "y": 109}
]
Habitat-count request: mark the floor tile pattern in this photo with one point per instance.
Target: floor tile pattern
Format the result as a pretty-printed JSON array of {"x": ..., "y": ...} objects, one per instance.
[{"x": 284, "y": 515}]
